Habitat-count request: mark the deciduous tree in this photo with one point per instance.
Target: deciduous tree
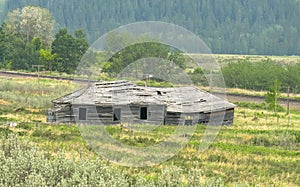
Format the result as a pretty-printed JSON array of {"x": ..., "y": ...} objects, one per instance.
[
  {"x": 29, "y": 23},
  {"x": 271, "y": 98}
]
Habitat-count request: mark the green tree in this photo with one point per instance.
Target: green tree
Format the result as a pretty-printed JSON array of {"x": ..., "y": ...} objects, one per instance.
[
  {"x": 135, "y": 52},
  {"x": 16, "y": 54},
  {"x": 47, "y": 58},
  {"x": 198, "y": 77},
  {"x": 4, "y": 45},
  {"x": 25, "y": 32},
  {"x": 144, "y": 47},
  {"x": 271, "y": 98},
  {"x": 139, "y": 51},
  {"x": 69, "y": 50},
  {"x": 81, "y": 43}
]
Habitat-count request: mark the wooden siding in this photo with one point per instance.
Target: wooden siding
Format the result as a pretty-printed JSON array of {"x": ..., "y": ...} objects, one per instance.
[
  {"x": 227, "y": 116},
  {"x": 129, "y": 114},
  {"x": 174, "y": 118},
  {"x": 157, "y": 114},
  {"x": 63, "y": 114}
]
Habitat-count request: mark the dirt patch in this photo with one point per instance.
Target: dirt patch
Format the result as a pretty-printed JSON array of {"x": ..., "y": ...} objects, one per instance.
[
  {"x": 33, "y": 110},
  {"x": 2, "y": 102}
]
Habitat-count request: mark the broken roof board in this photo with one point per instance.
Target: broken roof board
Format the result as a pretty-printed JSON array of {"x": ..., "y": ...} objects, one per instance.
[{"x": 177, "y": 99}]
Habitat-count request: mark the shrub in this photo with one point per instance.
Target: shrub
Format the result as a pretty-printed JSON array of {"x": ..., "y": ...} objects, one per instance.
[
  {"x": 24, "y": 126},
  {"x": 24, "y": 165},
  {"x": 257, "y": 106},
  {"x": 5, "y": 131}
]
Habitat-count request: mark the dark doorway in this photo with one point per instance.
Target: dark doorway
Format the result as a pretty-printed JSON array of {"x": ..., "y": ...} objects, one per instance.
[
  {"x": 82, "y": 114},
  {"x": 144, "y": 113},
  {"x": 117, "y": 114}
]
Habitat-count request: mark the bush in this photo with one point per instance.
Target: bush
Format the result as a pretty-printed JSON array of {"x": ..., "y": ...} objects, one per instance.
[
  {"x": 43, "y": 133},
  {"x": 5, "y": 131},
  {"x": 24, "y": 165},
  {"x": 24, "y": 126},
  {"x": 258, "y": 106}
]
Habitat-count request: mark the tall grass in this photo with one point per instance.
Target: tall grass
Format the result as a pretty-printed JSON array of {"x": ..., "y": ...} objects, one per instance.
[{"x": 33, "y": 93}]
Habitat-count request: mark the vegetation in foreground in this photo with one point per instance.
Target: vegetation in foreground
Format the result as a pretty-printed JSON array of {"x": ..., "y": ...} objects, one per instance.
[
  {"x": 259, "y": 149},
  {"x": 252, "y": 151}
]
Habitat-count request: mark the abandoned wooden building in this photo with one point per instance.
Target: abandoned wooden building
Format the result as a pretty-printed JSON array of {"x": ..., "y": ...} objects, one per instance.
[{"x": 121, "y": 101}]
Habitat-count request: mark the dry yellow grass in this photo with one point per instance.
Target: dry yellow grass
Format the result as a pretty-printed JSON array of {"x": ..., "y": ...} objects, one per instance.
[
  {"x": 247, "y": 92},
  {"x": 25, "y": 118},
  {"x": 255, "y": 58},
  {"x": 224, "y": 59},
  {"x": 33, "y": 110},
  {"x": 3, "y": 102}
]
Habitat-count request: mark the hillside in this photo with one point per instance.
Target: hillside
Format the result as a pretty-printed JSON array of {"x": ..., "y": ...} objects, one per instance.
[{"x": 268, "y": 27}]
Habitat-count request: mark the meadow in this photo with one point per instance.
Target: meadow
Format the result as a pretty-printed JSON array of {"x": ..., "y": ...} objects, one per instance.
[
  {"x": 259, "y": 149},
  {"x": 224, "y": 59}
]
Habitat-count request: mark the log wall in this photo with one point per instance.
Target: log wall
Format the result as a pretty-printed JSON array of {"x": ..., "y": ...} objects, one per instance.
[
  {"x": 156, "y": 114},
  {"x": 129, "y": 114}
]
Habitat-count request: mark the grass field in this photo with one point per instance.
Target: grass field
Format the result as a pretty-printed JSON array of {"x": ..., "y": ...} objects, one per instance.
[
  {"x": 226, "y": 58},
  {"x": 259, "y": 149}
]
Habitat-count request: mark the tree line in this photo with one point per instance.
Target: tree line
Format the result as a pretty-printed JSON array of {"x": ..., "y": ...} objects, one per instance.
[
  {"x": 261, "y": 75},
  {"x": 267, "y": 27}
]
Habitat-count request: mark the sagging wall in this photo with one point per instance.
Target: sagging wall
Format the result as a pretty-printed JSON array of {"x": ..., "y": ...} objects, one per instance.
[
  {"x": 92, "y": 114},
  {"x": 227, "y": 116},
  {"x": 175, "y": 118},
  {"x": 63, "y": 114},
  {"x": 156, "y": 114}
]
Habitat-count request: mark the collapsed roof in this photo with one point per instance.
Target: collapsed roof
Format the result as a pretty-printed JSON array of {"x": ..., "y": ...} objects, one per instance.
[{"x": 122, "y": 92}]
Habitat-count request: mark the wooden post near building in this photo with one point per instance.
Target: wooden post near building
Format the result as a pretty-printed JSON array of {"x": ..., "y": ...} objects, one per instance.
[
  {"x": 288, "y": 105},
  {"x": 38, "y": 69},
  {"x": 38, "y": 73}
]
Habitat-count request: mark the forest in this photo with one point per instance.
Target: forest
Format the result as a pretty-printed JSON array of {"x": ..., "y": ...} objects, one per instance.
[{"x": 261, "y": 27}]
